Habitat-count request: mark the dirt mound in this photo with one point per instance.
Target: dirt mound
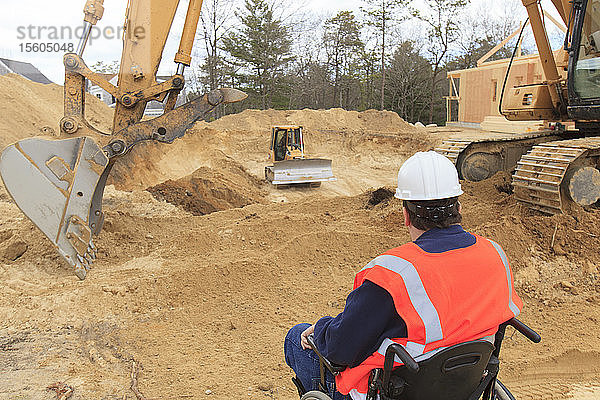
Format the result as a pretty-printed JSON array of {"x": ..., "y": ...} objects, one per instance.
[
  {"x": 208, "y": 190},
  {"x": 350, "y": 138},
  {"x": 381, "y": 195},
  {"x": 335, "y": 119},
  {"x": 34, "y": 109},
  {"x": 184, "y": 295}
]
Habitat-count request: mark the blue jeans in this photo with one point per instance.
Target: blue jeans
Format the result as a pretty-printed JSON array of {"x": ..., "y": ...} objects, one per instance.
[{"x": 305, "y": 364}]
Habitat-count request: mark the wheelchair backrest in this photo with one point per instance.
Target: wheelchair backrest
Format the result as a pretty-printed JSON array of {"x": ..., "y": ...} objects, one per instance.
[{"x": 452, "y": 374}]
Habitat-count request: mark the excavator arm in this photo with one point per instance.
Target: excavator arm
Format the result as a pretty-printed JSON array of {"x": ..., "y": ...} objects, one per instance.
[{"x": 59, "y": 184}]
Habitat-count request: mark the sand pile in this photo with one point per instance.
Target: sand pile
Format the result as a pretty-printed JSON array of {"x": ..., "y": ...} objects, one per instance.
[
  {"x": 203, "y": 301},
  {"x": 34, "y": 109},
  {"x": 335, "y": 119},
  {"x": 208, "y": 189},
  {"x": 332, "y": 134}
]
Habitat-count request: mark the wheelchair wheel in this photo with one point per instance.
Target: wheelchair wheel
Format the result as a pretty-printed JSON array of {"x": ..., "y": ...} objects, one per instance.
[
  {"x": 501, "y": 392},
  {"x": 315, "y": 395}
]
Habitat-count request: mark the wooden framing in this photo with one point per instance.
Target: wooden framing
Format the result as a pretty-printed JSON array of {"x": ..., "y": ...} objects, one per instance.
[{"x": 478, "y": 90}]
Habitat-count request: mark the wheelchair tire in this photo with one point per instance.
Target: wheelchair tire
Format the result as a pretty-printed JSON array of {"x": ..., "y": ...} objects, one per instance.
[
  {"x": 501, "y": 392},
  {"x": 315, "y": 395}
]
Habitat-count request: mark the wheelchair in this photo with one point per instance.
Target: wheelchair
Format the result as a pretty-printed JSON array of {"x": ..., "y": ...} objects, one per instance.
[{"x": 466, "y": 371}]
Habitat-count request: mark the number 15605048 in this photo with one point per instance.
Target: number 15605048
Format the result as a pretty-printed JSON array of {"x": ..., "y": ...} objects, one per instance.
[{"x": 46, "y": 47}]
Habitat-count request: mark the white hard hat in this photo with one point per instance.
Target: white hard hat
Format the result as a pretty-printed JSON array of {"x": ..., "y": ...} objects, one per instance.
[{"x": 427, "y": 176}]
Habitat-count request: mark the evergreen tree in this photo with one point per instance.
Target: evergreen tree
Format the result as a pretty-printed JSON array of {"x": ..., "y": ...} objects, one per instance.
[
  {"x": 261, "y": 49},
  {"x": 343, "y": 47}
]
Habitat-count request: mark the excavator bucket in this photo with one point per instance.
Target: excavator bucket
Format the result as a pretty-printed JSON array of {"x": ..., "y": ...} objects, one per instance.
[
  {"x": 59, "y": 185},
  {"x": 309, "y": 170}
]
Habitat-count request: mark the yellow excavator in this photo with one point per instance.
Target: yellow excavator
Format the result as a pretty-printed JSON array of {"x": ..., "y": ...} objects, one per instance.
[
  {"x": 59, "y": 184},
  {"x": 290, "y": 165},
  {"x": 554, "y": 169}
]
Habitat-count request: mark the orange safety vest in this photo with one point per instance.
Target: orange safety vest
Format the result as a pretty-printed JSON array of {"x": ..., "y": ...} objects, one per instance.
[{"x": 444, "y": 299}]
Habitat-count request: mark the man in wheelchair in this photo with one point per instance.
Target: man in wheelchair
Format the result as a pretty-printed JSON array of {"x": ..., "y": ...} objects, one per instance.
[{"x": 434, "y": 304}]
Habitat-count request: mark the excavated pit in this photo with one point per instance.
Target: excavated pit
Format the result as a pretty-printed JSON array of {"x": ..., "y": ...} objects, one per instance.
[{"x": 207, "y": 191}]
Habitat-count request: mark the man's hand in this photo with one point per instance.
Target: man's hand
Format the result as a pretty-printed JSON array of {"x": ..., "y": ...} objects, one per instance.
[{"x": 304, "y": 337}]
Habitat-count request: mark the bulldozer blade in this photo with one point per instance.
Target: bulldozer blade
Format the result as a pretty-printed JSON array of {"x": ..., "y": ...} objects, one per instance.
[
  {"x": 58, "y": 184},
  {"x": 307, "y": 170}
]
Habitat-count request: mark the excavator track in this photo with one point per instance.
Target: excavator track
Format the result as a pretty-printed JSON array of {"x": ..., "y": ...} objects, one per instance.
[
  {"x": 477, "y": 159},
  {"x": 554, "y": 174},
  {"x": 452, "y": 148}
]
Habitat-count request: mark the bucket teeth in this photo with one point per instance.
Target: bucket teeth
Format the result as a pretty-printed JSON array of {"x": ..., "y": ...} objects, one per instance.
[
  {"x": 80, "y": 271},
  {"x": 84, "y": 262},
  {"x": 53, "y": 182}
]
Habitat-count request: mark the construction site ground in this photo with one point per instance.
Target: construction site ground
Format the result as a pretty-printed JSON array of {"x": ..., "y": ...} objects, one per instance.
[{"x": 203, "y": 266}]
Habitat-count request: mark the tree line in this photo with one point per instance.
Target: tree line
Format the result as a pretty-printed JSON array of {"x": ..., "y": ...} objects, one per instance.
[{"x": 387, "y": 55}]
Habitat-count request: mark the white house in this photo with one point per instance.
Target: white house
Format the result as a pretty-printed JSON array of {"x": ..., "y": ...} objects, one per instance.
[{"x": 102, "y": 94}]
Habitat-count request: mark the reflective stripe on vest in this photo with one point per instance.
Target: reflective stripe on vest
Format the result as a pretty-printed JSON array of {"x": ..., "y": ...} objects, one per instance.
[
  {"x": 356, "y": 395},
  {"x": 511, "y": 304},
  {"x": 418, "y": 297}
]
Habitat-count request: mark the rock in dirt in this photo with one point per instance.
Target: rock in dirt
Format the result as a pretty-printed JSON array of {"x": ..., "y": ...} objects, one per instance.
[
  {"x": 566, "y": 285},
  {"x": 558, "y": 249},
  {"x": 5, "y": 235},
  {"x": 265, "y": 386},
  {"x": 15, "y": 250}
]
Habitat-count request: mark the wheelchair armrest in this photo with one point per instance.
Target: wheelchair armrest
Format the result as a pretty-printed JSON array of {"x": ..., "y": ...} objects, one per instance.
[
  {"x": 398, "y": 350},
  {"x": 524, "y": 329},
  {"x": 392, "y": 351},
  {"x": 333, "y": 368}
]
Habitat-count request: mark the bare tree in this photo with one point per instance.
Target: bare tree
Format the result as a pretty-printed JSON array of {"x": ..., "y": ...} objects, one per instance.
[
  {"x": 216, "y": 20},
  {"x": 383, "y": 15},
  {"x": 440, "y": 17},
  {"x": 409, "y": 74},
  {"x": 481, "y": 29}
]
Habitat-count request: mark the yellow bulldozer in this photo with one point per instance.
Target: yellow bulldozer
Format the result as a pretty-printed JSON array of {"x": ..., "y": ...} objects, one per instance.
[{"x": 290, "y": 165}]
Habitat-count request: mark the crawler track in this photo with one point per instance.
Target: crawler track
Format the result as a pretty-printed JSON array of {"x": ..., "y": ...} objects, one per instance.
[
  {"x": 550, "y": 171},
  {"x": 478, "y": 159},
  {"x": 543, "y": 178}
]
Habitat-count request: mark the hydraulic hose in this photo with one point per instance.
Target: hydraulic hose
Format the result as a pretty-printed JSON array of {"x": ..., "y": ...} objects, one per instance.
[{"x": 510, "y": 65}]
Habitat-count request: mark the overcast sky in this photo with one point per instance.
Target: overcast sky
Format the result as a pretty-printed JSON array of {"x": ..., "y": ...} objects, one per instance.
[{"x": 17, "y": 16}]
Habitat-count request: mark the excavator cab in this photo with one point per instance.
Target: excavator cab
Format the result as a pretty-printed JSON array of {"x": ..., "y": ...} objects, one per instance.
[
  {"x": 570, "y": 92},
  {"x": 290, "y": 166},
  {"x": 584, "y": 66}
]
